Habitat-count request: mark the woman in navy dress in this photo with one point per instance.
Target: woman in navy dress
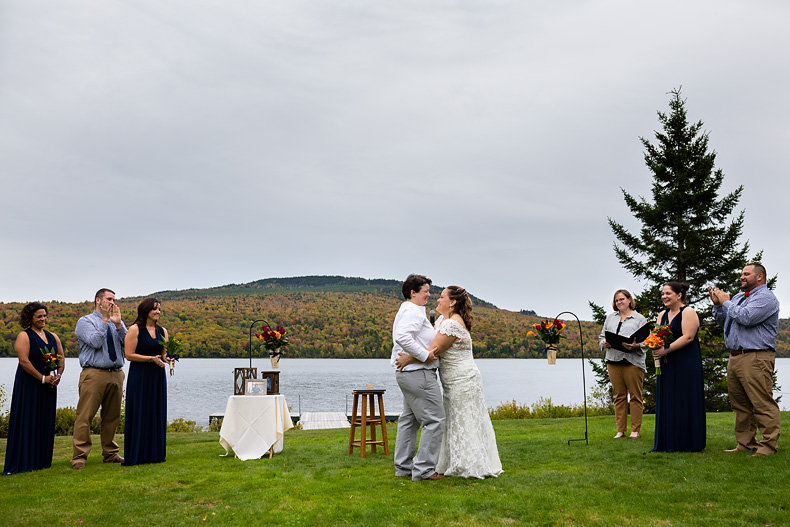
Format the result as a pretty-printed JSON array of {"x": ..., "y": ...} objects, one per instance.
[
  {"x": 144, "y": 439},
  {"x": 680, "y": 391},
  {"x": 31, "y": 427}
]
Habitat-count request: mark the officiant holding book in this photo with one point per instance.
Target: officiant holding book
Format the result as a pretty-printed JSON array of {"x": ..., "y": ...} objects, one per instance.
[{"x": 621, "y": 336}]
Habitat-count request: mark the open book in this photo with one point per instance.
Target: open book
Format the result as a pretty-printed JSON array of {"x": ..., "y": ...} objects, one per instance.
[{"x": 616, "y": 341}]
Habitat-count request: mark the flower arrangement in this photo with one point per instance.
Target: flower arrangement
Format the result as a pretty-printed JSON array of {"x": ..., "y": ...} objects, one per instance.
[
  {"x": 549, "y": 332},
  {"x": 51, "y": 358},
  {"x": 172, "y": 347},
  {"x": 273, "y": 340},
  {"x": 656, "y": 340}
]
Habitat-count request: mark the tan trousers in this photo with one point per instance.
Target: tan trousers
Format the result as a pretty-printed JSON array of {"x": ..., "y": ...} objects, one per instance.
[
  {"x": 627, "y": 379},
  {"x": 749, "y": 384},
  {"x": 98, "y": 388}
]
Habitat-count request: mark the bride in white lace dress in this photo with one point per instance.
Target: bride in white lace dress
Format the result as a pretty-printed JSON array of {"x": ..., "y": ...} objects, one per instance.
[{"x": 469, "y": 445}]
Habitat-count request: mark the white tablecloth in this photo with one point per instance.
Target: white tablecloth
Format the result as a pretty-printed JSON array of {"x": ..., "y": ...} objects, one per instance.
[{"x": 253, "y": 423}]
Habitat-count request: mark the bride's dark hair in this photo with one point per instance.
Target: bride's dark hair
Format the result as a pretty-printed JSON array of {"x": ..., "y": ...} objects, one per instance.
[{"x": 463, "y": 305}]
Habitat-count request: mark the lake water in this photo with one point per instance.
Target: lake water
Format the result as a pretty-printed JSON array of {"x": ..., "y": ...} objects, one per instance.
[{"x": 201, "y": 386}]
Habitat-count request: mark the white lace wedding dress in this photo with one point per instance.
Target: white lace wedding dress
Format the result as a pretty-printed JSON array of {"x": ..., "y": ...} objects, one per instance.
[{"x": 469, "y": 444}]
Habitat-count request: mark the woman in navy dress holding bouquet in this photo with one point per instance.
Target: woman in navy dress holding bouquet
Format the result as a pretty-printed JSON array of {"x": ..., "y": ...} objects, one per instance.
[
  {"x": 31, "y": 427},
  {"x": 680, "y": 392},
  {"x": 145, "y": 430}
]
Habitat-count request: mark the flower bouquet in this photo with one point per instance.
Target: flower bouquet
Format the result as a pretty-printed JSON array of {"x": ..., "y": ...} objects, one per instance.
[
  {"x": 273, "y": 340},
  {"x": 550, "y": 332},
  {"x": 656, "y": 340},
  {"x": 172, "y": 346},
  {"x": 51, "y": 359}
]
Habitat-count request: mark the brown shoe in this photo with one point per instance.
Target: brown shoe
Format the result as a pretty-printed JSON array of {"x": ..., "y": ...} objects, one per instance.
[
  {"x": 116, "y": 459},
  {"x": 757, "y": 454},
  {"x": 76, "y": 465},
  {"x": 433, "y": 477},
  {"x": 732, "y": 450}
]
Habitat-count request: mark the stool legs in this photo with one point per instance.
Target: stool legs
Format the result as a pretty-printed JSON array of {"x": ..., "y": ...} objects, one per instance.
[
  {"x": 353, "y": 424},
  {"x": 363, "y": 432},
  {"x": 366, "y": 418},
  {"x": 372, "y": 422},
  {"x": 383, "y": 425}
]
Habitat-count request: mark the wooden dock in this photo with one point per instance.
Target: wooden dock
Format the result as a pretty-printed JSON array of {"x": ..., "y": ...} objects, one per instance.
[{"x": 324, "y": 420}]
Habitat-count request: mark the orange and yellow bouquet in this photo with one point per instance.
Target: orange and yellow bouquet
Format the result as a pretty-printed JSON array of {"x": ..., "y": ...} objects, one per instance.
[{"x": 656, "y": 340}]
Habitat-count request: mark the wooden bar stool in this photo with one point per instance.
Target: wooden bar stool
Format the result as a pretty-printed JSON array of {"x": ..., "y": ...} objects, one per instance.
[{"x": 363, "y": 421}]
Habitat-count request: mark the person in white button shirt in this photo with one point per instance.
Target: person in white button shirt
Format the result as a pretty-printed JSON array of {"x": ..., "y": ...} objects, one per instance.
[{"x": 412, "y": 333}]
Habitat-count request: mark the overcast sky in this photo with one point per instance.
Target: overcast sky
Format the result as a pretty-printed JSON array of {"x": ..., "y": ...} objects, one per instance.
[{"x": 171, "y": 144}]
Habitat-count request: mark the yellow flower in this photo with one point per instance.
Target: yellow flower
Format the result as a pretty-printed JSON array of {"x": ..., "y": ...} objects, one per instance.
[{"x": 531, "y": 334}]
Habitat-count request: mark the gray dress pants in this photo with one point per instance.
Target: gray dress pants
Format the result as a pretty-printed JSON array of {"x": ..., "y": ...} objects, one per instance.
[{"x": 422, "y": 407}]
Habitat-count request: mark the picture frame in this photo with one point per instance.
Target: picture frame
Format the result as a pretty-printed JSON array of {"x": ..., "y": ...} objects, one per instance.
[
  {"x": 255, "y": 387},
  {"x": 272, "y": 379},
  {"x": 240, "y": 376}
]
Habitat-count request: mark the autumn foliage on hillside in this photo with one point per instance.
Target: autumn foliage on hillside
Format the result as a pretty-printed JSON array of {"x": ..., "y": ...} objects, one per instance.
[{"x": 320, "y": 323}]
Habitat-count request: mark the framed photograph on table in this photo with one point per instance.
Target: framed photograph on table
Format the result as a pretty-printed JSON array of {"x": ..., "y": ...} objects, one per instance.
[
  {"x": 272, "y": 379},
  {"x": 255, "y": 387}
]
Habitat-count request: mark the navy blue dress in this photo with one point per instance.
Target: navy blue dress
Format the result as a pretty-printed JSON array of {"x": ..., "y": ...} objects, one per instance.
[
  {"x": 31, "y": 427},
  {"x": 680, "y": 396},
  {"x": 145, "y": 431}
]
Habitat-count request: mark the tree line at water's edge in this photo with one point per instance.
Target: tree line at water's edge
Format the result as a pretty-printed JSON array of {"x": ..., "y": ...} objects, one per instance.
[{"x": 326, "y": 317}]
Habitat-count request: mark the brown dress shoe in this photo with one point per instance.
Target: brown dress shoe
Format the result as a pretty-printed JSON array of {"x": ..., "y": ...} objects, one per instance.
[
  {"x": 731, "y": 450},
  {"x": 78, "y": 465},
  {"x": 434, "y": 477},
  {"x": 757, "y": 454},
  {"x": 116, "y": 459}
]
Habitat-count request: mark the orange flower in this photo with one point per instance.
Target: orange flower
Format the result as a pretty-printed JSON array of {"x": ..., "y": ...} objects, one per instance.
[{"x": 654, "y": 342}]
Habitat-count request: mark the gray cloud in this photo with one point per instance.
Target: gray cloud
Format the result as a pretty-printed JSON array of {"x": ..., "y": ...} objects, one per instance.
[{"x": 158, "y": 145}]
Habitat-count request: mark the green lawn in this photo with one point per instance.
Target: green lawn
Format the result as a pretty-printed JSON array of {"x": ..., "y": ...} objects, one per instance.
[{"x": 314, "y": 482}]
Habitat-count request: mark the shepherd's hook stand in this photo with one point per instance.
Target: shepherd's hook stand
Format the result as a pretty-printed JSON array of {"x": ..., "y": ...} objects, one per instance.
[{"x": 584, "y": 379}]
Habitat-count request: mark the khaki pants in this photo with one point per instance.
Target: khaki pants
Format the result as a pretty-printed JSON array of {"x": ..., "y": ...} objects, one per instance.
[
  {"x": 627, "y": 379},
  {"x": 98, "y": 388},
  {"x": 749, "y": 384}
]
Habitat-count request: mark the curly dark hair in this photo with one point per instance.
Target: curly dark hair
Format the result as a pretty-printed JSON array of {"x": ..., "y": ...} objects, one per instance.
[
  {"x": 26, "y": 316},
  {"x": 145, "y": 307},
  {"x": 463, "y": 304}
]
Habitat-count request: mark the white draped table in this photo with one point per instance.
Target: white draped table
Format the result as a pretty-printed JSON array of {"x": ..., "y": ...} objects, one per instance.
[{"x": 254, "y": 425}]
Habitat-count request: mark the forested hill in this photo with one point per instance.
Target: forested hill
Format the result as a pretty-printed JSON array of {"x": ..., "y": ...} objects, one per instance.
[{"x": 325, "y": 316}]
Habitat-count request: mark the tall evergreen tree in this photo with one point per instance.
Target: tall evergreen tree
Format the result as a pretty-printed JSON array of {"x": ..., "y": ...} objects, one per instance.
[
  {"x": 686, "y": 236},
  {"x": 686, "y": 232}
]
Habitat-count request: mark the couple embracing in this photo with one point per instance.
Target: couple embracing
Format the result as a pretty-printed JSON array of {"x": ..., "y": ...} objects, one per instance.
[{"x": 457, "y": 437}]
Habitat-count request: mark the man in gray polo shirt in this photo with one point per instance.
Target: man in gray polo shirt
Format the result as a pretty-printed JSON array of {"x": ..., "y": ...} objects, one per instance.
[
  {"x": 422, "y": 397},
  {"x": 751, "y": 321}
]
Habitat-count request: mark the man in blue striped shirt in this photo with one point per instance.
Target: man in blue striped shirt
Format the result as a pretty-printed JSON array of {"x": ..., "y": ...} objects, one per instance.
[{"x": 751, "y": 321}]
